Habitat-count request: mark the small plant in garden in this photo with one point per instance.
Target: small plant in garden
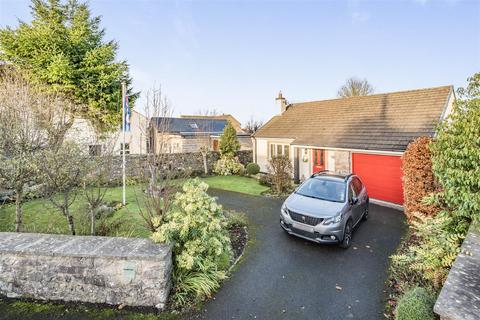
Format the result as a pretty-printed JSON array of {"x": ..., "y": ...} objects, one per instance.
[
  {"x": 280, "y": 174},
  {"x": 252, "y": 168},
  {"x": 416, "y": 304},
  {"x": 228, "y": 163},
  {"x": 236, "y": 219},
  {"x": 197, "y": 227},
  {"x": 265, "y": 180},
  {"x": 229, "y": 144},
  {"x": 433, "y": 254}
]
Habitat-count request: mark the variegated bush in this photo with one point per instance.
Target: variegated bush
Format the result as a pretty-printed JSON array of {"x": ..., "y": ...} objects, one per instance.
[{"x": 197, "y": 228}]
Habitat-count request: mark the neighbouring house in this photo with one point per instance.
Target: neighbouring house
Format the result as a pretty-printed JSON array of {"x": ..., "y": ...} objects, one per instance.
[
  {"x": 83, "y": 133},
  {"x": 364, "y": 135},
  {"x": 191, "y": 133}
]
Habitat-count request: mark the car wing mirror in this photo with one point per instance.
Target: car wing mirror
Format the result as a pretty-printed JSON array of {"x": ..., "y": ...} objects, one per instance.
[{"x": 354, "y": 200}]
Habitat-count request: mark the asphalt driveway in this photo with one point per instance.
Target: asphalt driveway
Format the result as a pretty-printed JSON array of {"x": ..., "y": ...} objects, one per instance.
[{"x": 283, "y": 277}]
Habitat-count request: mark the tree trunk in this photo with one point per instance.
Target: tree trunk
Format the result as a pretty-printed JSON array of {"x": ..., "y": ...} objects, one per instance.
[
  {"x": 18, "y": 209},
  {"x": 71, "y": 225},
  {"x": 205, "y": 168},
  {"x": 92, "y": 225}
]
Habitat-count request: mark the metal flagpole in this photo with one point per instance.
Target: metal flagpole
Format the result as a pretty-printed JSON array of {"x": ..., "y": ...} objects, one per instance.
[{"x": 124, "y": 92}]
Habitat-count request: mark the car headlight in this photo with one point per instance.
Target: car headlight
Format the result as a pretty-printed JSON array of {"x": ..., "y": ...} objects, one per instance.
[
  {"x": 284, "y": 209},
  {"x": 333, "y": 220}
]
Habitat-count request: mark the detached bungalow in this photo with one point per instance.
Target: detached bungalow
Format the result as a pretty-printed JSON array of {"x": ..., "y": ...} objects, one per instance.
[
  {"x": 364, "y": 135},
  {"x": 191, "y": 133}
]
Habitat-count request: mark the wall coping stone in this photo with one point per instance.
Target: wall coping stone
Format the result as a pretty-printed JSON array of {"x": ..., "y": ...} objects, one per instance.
[
  {"x": 460, "y": 295},
  {"x": 82, "y": 246}
]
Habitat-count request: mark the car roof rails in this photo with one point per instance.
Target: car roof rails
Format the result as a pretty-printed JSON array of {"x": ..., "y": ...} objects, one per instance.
[
  {"x": 327, "y": 172},
  {"x": 323, "y": 172}
]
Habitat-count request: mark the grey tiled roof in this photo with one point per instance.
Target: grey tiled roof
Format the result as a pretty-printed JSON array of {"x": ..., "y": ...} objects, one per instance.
[
  {"x": 386, "y": 122},
  {"x": 188, "y": 126}
]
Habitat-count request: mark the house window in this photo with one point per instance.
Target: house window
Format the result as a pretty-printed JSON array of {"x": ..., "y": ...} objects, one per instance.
[
  {"x": 127, "y": 148},
  {"x": 95, "y": 149},
  {"x": 279, "y": 150}
]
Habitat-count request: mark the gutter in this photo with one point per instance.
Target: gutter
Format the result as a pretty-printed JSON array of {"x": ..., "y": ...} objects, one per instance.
[{"x": 379, "y": 152}]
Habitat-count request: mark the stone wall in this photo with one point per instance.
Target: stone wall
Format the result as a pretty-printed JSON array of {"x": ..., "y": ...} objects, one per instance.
[
  {"x": 342, "y": 162},
  {"x": 116, "y": 271},
  {"x": 460, "y": 295},
  {"x": 136, "y": 165}
]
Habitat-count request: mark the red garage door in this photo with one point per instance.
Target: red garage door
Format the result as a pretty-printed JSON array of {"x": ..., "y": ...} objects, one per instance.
[{"x": 382, "y": 175}]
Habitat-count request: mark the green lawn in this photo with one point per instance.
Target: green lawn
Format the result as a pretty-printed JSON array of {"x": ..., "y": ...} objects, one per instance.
[
  {"x": 41, "y": 216},
  {"x": 235, "y": 183}
]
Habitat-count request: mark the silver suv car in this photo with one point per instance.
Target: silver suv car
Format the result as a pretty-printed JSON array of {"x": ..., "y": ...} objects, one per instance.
[{"x": 326, "y": 208}]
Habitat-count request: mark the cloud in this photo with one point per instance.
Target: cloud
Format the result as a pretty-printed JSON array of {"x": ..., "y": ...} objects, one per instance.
[
  {"x": 359, "y": 17},
  {"x": 356, "y": 13}
]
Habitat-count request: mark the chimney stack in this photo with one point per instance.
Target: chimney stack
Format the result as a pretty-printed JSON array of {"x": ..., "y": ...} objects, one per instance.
[{"x": 283, "y": 102}]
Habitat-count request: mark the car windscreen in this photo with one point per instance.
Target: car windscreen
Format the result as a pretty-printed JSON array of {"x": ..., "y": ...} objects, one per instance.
[{"x": 323, "y": 189}]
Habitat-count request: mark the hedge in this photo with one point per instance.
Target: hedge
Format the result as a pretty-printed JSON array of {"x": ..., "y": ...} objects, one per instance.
[{"x": 418, "y": 178}]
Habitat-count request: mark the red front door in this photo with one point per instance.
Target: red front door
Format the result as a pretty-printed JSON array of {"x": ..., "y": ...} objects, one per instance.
[{"x": 318, "y": 159}]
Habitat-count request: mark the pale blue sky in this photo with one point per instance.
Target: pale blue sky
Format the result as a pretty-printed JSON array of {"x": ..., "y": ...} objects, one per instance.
[{"x": 235, "y": 56}]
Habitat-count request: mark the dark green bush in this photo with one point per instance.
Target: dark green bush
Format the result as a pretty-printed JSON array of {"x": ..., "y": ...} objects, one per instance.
[
  {"x": 416, "y": 304},
  {"x": 253, "y": 168}
]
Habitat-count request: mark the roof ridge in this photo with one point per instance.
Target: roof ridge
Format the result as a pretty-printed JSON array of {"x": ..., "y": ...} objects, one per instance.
[{"x": 372, "y": 95}]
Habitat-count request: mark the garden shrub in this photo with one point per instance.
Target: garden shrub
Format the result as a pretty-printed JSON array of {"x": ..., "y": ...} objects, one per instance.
[
  {"x": 436, "y": 241},
  {"x": 265, "y": 180},
  {"x": 229, "y": 144},
  {"x": 252, "y": 168},
  {"x": 456, "y": 158},
  {"x": 228, "y": 165},
  {"x": 418, "y": 178},
  {"x": 280, "y": 174},
  {"x": 197, "y": 227},
  {"x": 236, "y": 219},
  {"x": 434, "y": 252},
  {"x": 416, "y": 304}
]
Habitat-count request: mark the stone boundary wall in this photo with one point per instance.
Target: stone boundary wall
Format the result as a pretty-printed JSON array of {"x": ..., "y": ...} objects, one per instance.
[
  {"x": 460, "y": 295},
  {"x": 136, "y": 165},
  {"x": 107, "y": 270}
]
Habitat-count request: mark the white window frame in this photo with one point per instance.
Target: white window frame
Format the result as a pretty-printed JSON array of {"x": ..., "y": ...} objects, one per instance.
[{"x": 273, "y": 149}]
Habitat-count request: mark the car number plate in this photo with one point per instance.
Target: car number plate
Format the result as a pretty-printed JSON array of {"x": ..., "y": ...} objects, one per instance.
[{"x": 302, "y": 227}]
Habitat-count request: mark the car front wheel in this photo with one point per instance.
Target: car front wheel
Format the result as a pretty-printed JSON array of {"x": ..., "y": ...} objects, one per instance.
[
  {"x": 347, "y": 235},
  {"x": 365, "y": 213}
]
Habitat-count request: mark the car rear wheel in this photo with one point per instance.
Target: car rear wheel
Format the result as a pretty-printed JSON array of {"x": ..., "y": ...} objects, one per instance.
[{"x": 347, "y": 235}]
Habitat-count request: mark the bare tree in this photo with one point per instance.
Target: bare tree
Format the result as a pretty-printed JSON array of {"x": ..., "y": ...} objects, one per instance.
[
  {"x": 203, "y": 133},
  {"x": 30, "y": 121},
  {"x": 63, "y": 170},
  {"x": 207, "y": 112},
  {"x": 252, "y": 125},
  {"x": 99, "y": 169},
  {"x": 355, "y": 87},
  {"x": 156, "y": 200}
]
